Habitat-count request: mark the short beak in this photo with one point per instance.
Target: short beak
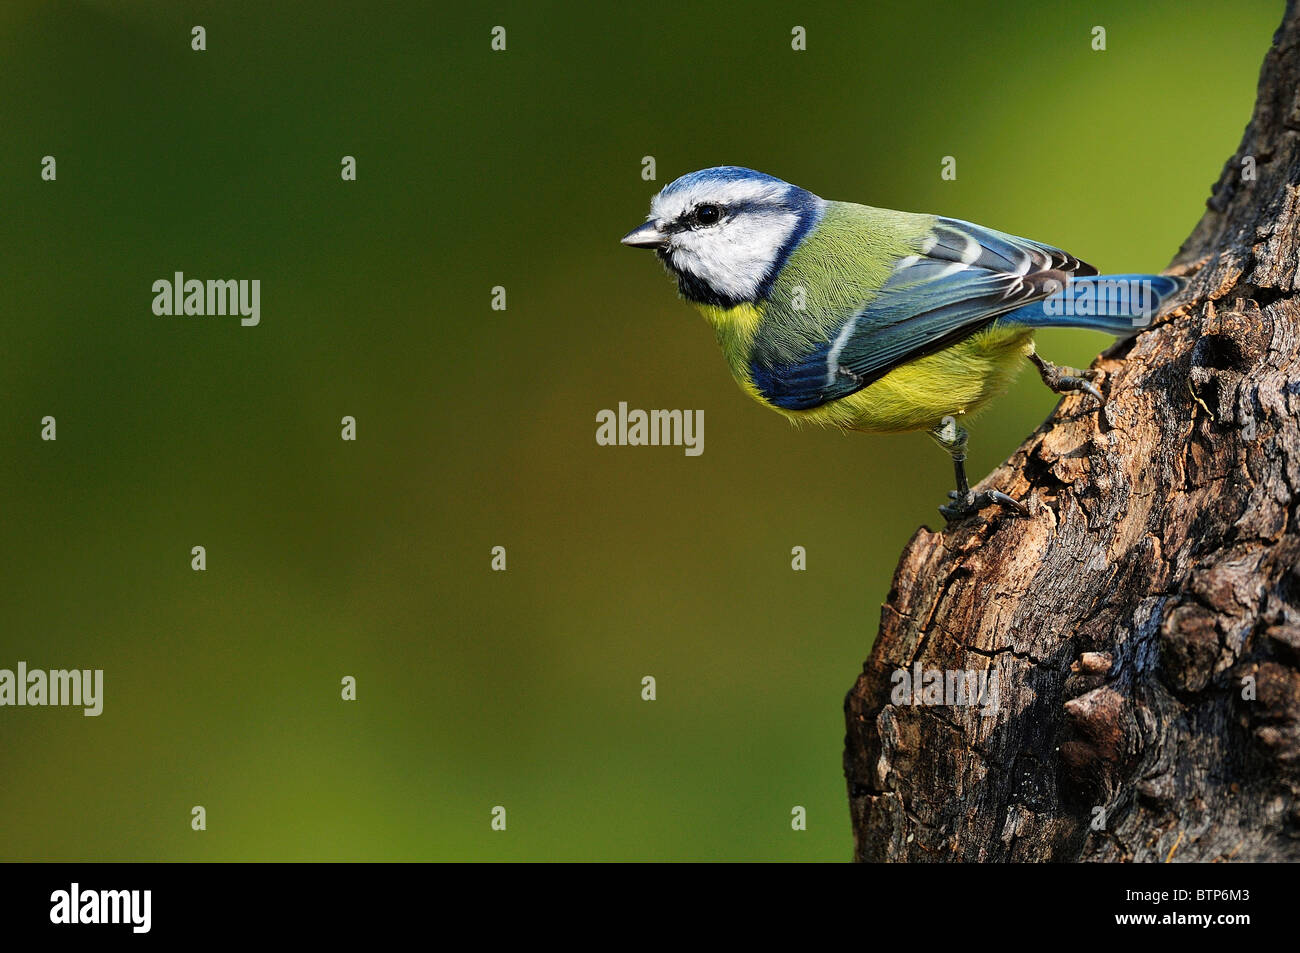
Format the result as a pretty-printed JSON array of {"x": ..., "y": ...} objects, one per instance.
[{"x": 646, "y": 236}]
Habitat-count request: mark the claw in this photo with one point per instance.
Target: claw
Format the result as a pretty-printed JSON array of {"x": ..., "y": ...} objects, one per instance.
[
  {"x": 970, "y": 502},
  {"x": 1066, "y": 380},
  {"x": 1080, "y": 384},
  {"x": 998, "y": 498}
]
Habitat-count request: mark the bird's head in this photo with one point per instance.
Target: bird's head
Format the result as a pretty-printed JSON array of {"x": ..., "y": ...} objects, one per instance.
[{"x": 726, "y": 232}]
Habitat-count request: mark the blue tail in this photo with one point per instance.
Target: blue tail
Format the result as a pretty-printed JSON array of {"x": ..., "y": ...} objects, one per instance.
[{"x": 1118, "y": 304}]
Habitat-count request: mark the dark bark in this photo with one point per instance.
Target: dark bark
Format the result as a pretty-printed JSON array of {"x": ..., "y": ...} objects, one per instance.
[{"x": 1154, "y": 583}]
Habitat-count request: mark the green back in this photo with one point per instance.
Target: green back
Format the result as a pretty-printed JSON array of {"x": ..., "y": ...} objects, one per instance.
[{"x": 840, "y": 266}]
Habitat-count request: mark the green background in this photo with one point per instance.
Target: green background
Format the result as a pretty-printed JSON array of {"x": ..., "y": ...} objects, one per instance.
[{"x": 476, "y": 428}]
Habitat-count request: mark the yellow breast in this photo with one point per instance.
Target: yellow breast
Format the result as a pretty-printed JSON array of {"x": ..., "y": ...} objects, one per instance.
[{"x": 958, "y": 380}]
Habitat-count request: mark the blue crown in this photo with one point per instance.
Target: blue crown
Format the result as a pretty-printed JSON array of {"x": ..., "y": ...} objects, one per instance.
[{"x": 720, "y": 174}]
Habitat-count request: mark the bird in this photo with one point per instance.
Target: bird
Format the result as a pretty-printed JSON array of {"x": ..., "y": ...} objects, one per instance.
[{"x": 878, "y": 321}]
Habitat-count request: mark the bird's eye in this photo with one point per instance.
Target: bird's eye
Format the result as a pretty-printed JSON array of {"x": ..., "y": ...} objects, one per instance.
[{"x": 707, "y": 215}]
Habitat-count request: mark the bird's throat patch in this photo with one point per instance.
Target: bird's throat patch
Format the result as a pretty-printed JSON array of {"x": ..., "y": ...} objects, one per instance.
[{"x": 740, "y": 320}]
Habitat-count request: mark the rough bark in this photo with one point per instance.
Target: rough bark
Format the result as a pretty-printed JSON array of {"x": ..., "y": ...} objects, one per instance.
[{"x": 1144, "y": 621}]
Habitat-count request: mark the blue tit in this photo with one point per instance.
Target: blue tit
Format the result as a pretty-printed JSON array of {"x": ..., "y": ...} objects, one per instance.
[{"x": 872, "y": 320}]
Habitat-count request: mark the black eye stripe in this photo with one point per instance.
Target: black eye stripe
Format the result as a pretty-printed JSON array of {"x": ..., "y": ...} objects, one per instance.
[{"x": 687, "y": 220}]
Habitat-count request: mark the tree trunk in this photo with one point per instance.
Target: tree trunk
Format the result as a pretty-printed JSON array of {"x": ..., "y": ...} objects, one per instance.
[{"x": 1142, "y": 625}]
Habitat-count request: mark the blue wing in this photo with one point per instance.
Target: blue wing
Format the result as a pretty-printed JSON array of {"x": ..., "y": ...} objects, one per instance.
[{"x": 965, "y": 277}]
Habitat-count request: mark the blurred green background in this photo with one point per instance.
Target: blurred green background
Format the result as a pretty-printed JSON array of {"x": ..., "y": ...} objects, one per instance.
[{"x": 476, "y": 427}]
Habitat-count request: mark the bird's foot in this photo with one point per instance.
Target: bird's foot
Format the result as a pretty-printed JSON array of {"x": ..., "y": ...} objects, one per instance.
[
  {"x": 1067, "y": 380},
  {"x": 969, "y": 503}
]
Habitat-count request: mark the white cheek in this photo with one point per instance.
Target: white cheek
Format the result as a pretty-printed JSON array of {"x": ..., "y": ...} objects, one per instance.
[{"x": 735, "y": 257}]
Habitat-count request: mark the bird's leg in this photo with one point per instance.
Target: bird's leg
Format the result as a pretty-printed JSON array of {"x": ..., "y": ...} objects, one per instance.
[
  {"x": 964, "y": 500},
  {"x": 1066, "y": 380}
]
